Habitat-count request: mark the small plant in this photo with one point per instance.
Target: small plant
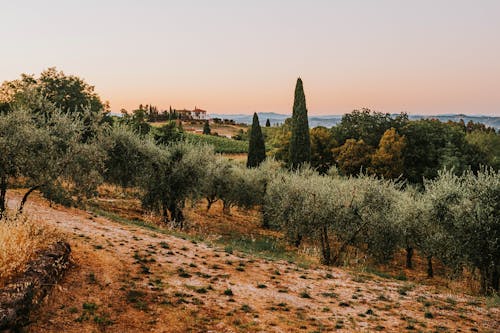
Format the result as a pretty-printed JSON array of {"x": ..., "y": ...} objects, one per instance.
[
  {"x": 92, "y": 278},
  {"x": 90, "y": 307},
  {"x": 261, "y": 286},
  {"x": 228, "y": 292},
  {"x": 493, "y": 301},
  {"x": 202, "y": 290},
  {"x": 182, "y": 273},
  {"x": 451, "y": 300},
  {"x": 401, "y": 276},
  {"x": 246, "y": 308},
  {"x": 305, "y": 294},
  {"x": 428, "y": 315},
  {"x": 403, "y": 290}
]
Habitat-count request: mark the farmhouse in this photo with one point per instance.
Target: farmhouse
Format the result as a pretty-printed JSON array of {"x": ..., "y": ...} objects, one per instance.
[{"x": 196, "y": 114}]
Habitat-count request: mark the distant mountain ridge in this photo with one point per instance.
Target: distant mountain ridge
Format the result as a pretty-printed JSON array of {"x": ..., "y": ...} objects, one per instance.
[{"x": 332, "y": 120}]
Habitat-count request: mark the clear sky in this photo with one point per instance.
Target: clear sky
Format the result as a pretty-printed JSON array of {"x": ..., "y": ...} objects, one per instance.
[{"x": 241, "y": 56}]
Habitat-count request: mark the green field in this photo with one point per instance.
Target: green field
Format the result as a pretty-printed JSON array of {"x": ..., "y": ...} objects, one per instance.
[{"x": 221, "y": 144}]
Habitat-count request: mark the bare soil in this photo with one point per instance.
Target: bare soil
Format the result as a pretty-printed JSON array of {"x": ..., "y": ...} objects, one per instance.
[{"x": 128, "y": 278}]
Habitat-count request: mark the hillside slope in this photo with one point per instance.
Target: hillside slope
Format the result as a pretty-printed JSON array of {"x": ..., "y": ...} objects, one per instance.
[{"x": 131, "y": 279}]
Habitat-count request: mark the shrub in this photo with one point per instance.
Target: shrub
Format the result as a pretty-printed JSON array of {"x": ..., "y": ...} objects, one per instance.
[{"x": 20, "y": 240}]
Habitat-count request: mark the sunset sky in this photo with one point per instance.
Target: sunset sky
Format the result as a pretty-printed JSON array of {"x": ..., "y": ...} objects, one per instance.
[{"x": 421, "y": 57}]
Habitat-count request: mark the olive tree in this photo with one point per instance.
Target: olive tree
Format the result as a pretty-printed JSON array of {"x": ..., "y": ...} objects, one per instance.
[
  {"x": 466, "y": 208},
  {"x": 217, "y": 181},
  {"x": 175, "y": 173},
  {"x": 334, "y": 213},
  {"x": 44, "y": 149},
  {"x": 416, "y": 229},
  {"x": 373, "y": 202},
  {"x": 128, "y": 156}
]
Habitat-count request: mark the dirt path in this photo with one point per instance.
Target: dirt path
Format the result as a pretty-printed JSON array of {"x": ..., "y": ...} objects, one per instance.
[{"x": 131, "y": 279}]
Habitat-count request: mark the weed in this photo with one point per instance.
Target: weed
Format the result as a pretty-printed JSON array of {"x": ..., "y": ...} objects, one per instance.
[
  {"x": 246, "y": 308},
  {"x": 92, "y": 278},
  {"x": 451, "y": 300},
  {"x": 182, "y": 273},
  {"x": 202, "y": 290},
  {"x": 403, "y": 290},
  {"x": 493, "y": 301}
]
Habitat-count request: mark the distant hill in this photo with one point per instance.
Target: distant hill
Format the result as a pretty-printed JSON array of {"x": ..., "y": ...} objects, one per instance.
[{"x": 332, "y": 120}]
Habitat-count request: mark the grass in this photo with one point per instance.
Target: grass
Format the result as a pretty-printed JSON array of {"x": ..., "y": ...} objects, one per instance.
[
  {"x": 264, "y": 247},
  {"x": 20, "y": 239},
  {"x": 221, "y": 144},
  {"x": 493, "y": 301}
]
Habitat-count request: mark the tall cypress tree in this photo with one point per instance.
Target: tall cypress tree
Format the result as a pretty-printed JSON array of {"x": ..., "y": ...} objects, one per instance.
[
  {"x": 300, "y": 144},
  {"x": 256, "y": 147}
]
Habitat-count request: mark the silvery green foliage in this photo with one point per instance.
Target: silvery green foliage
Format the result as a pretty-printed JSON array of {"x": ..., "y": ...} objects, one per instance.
[
  {"x": 236, "y": 185},
  {"x": 466, "y": 208},
  {"x": 374, "y": 200},
  {"x": 128, "y": 156},
  {"x": 334, "y": 212},
  {"x": 44, "y": 148},
  {"x": 217, "y": 180},
  {"x": 411, "y": 215},
  {"x": 174, "y": 174}
]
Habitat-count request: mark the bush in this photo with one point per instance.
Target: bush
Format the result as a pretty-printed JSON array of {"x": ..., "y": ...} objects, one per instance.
[{"x": 20, "y": 240}]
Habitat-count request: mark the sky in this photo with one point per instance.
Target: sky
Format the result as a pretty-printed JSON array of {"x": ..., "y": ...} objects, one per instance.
[{"x": 227, "y": 56}]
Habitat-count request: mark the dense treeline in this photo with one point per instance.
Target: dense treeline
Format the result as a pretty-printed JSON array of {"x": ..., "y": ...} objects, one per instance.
[
  {"x": 351, "y": 196},
  {"x": 394, "y": 147}
]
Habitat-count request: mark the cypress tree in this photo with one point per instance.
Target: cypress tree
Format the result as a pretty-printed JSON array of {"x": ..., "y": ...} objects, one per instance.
[
  {"x": 300, "y": 144},
  {"x": 206, "y": 128},
  {"x": 256, "y": 147},
  {"x": 268, "y": 123}
]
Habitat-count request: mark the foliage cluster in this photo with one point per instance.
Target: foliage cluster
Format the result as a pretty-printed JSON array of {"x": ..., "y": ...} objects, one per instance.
[{"x": 393, "y": 146}]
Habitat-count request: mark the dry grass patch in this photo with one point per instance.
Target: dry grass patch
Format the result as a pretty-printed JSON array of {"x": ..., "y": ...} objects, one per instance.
[{"x": 20, "y": 239}]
